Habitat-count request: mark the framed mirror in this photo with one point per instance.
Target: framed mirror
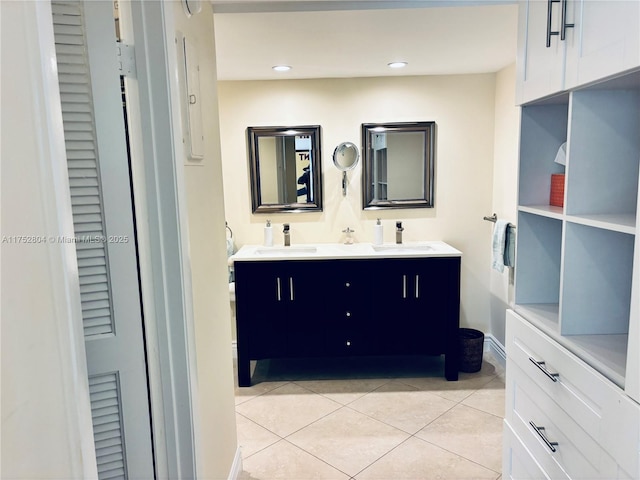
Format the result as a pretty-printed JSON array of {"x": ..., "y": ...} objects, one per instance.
[
  {"x": 284, "y": 164},
  {"x": 398, "y": 165}
]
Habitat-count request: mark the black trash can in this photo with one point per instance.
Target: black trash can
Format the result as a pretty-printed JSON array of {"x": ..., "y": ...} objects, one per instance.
[{"x": 471, "y": 346}]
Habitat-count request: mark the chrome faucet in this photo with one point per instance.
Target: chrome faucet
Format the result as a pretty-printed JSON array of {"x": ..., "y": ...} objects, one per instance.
[
  {"x": 399, "y": 230},
  {"x": 287, "y": 235}
]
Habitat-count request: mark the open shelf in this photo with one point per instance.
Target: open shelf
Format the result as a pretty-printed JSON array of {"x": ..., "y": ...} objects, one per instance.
[
  {"x": 543, "y": 130},
  {"x": 603, "y": 153},
  {"x": 596, "y": 285},
  {"x": 538, "y": 259},
  {"x": 618, "y": 222}
]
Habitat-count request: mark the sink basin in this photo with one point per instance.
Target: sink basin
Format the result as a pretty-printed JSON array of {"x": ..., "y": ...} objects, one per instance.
[
  {"x": 407, "y": 248},
  {"x": 296, "y": 250}
]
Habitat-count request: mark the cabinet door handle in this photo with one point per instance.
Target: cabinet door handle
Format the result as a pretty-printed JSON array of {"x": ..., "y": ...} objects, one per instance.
[
  {"x": 417, "y": 290},
  {"x": 278, "y": 289},
  {"x": 563, "y": 22},
  {"x": 291, "y": 288},
  {"x": 404, "y": 286},
  {"x": 541, "y": 432},
  {"x": 549, "y": 15},
  {"x": 543, "y": 369}
]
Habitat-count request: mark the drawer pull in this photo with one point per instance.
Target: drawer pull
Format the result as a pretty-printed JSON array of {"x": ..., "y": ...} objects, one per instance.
[
  {"x": 540, "y": 431},
  {"x": 543, "y": 369},
  {"x": 278, "y": 289}
]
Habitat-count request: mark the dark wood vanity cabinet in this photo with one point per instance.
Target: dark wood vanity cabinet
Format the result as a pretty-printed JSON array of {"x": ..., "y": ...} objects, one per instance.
[{"x": 345, "y": 307}]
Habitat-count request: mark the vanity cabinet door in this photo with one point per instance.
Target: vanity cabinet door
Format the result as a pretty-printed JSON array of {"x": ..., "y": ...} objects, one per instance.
[
  {"x": 279, "y": 307},
  {"x": 420, "y": 304},
  {"x": 261, "y": 309},
  {"x": 305, "y": 300},
  {"x": 347, "y": 321}
]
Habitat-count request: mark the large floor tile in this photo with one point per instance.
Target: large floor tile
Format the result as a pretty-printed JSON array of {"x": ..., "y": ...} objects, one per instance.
[
  {"x": 489, "y": 398},
  {"x": 284, "y": 461},
  {"x": 348, "y": 440},
  {"x": 402, "y": 406},
  {"x": 252, "y": 437},
  {"x": 342, "y": 391},
  {"x": 468, "y": 432},
  {"x": 244, "y": 394},
  {"x": 456, "y": 391},
  {"x": 286, "y": 409},
  {"x": 417, "y": 459}
]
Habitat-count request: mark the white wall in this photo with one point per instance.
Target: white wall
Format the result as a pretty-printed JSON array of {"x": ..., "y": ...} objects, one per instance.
[
  {"x": 463, "y": 108},
  {"x": 505, "y": 175},
  {"x": 215, "y": 419},
  {"x": 46, "y": 418}
]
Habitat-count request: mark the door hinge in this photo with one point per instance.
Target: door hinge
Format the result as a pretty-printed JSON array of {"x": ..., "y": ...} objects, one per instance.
[{"x": 126, "y": 59}]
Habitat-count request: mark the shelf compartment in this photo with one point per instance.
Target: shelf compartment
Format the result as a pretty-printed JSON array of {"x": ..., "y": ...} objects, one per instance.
[
  {"x": 543, "y": 130},
  {"x": 596, "y": 286},
  {"x": 603, "y": 152},
  {"x": 539, "y": 247}
]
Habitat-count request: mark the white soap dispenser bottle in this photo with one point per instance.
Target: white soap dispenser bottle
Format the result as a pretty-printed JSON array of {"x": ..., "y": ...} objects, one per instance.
[
  {"x": 268, "y": 234},
  {"x": 378, "y": 233}
]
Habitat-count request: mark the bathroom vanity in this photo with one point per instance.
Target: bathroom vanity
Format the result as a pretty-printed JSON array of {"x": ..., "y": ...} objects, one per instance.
[{"x": 330, "y": 300}]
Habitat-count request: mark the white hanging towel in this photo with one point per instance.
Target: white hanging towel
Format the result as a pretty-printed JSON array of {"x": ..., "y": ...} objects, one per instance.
[{"x": 498, "y": 244}]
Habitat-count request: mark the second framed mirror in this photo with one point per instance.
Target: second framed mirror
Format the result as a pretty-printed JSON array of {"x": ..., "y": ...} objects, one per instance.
[{"x": 398, "y": 165}]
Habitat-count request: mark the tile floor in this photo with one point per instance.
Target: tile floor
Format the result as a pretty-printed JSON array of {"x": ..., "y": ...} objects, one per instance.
[{"x": 373, "y": 418}]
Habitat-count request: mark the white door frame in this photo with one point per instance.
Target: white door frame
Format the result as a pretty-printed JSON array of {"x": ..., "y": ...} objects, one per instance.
[{"x": 161, "y": 212}]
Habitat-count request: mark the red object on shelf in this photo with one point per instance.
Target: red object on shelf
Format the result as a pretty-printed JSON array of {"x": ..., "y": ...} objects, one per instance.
[{"x": 556, "y": 198}]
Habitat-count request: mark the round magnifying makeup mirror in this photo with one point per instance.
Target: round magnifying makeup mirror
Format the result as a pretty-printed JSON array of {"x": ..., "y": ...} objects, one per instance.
[{"x": 345, "y": 158}]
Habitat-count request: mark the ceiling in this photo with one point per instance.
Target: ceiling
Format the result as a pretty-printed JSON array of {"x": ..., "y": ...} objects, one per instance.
[{"x": 332, "y": 38}]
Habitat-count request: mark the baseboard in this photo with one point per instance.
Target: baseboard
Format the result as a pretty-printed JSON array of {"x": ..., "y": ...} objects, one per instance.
[
  {"x": 493, "y": 346},
  {"x": 236, "y": 467}
]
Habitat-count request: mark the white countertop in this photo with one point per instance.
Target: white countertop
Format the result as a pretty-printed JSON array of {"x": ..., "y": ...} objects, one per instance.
[{"x": 325, "y": 251}]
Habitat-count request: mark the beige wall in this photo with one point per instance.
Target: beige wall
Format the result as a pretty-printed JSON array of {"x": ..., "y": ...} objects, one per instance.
[
  {"x": 505, "y": 175},
  {"x": 215, "y": 418},
  {"x": 463, "y": 108}
]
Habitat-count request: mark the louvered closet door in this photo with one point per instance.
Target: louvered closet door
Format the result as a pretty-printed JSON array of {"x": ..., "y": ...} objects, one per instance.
[{"x": 103, "y": 222}]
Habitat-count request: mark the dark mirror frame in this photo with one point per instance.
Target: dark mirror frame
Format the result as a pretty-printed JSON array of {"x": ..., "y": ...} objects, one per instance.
[
  {"x": 429, "y": 130},
  {"x": 253, "y": 136}
]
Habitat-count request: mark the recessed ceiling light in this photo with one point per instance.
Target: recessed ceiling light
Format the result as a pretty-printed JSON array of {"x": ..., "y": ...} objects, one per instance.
[
  {"x": 397, "y": 64},
  {"x": 282, "y": 68}
]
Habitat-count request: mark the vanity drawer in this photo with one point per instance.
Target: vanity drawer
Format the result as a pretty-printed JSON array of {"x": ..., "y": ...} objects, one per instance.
[
  {"x": 601, "y": 409},
  {"x": 518, "y": 462},
  {"x": 559, "y": 444}
]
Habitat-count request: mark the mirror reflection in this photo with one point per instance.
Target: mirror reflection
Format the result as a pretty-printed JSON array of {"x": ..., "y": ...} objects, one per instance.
[
  {"x": 398, "y": 164},
  {"x": 285, "y": 168}
]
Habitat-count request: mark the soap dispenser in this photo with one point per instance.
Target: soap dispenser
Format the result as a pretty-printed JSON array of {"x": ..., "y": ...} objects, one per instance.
[
  {"x": 268, "y": 234},
  {"x": 378, "y": 233}
]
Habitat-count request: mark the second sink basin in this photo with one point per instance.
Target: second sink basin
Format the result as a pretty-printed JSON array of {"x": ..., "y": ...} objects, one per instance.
[
  {"x": 402, "y": 248},
  {"x": 296, "y": 250}
]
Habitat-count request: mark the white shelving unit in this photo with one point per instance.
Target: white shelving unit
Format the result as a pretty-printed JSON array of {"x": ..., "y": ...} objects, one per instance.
[{"x": 574, "y": 275}]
